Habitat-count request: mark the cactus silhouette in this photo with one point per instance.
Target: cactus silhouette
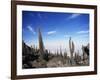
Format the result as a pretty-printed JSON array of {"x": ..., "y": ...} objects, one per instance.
[{"x": 71, "y": 48}]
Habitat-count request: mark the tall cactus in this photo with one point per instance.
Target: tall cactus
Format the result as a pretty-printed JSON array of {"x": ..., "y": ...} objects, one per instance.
[
  {"x": 61, "y": 51},
  {"x": 71, "y": 48},
  {"x": 57, "y": 53},
  {"x": 65, "y": 54}
]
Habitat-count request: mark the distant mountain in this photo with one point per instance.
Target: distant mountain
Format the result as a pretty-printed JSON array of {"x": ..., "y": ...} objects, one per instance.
[
  {"x": 26, "y": 49},
  {"x": 28, "y": 54}
]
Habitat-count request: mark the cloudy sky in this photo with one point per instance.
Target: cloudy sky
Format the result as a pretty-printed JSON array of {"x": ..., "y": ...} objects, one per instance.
[{"x": 56, "y": 29}]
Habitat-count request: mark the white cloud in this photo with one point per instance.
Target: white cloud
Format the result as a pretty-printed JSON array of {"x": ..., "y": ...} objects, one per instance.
[
  {"x": 31, "y": 29},
  {"x": 74, "y": 16},
  {"x": 51, "y": 32},
  {"x": 82, "y": 32}
]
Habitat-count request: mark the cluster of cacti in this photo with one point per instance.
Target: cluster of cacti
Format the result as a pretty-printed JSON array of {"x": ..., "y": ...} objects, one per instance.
[{"x": 60, "y": 53}]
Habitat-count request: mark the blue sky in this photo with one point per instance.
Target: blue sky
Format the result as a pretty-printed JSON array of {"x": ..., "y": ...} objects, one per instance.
[{"x": 56, "y": 29}]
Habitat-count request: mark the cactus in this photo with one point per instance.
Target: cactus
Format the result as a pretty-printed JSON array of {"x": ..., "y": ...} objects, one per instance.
[
  {"x": 71, "y": 48},
  {"x": 60, "y": 52},
  {"x": 83, "y": 53},
  {"x": 57, "y": 53},
  {"x": 65, "y": 54}
]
